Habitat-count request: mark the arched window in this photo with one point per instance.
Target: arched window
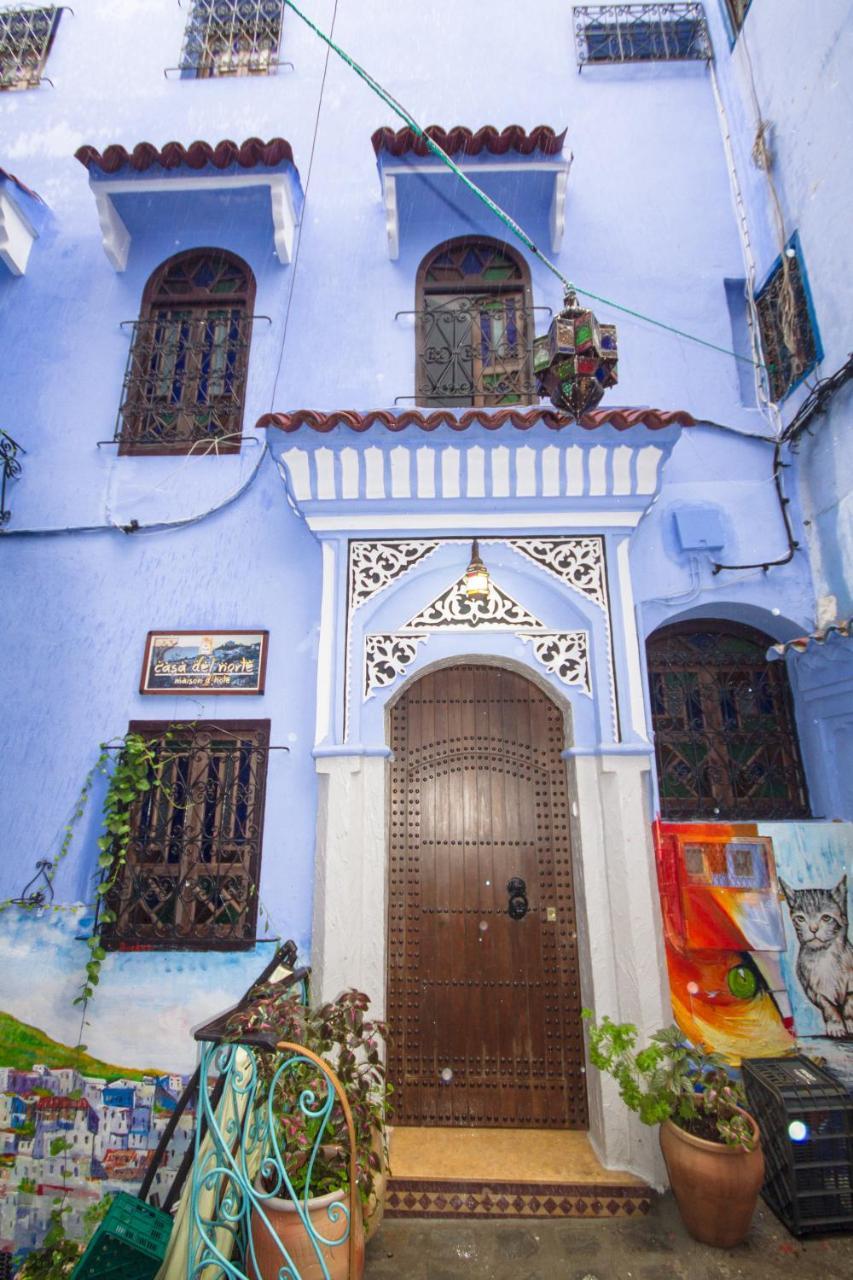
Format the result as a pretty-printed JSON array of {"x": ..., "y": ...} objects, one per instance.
[
  {"x": 186, "y": 373},
  {"x": 725, "y": 737},
  {"x": 475, "y": 326}
]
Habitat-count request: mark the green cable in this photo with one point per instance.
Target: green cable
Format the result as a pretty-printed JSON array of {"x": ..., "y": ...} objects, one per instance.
[{"x": 490, "y": 204}]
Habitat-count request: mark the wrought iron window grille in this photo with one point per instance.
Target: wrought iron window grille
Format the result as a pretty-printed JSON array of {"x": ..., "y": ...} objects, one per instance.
[
  {"x": 788, "y": 335},
  {"x": 611, "y": 33},
  {"x": 474, "y": 351},
  {"x": 10, "y": 469},
  {"x": 185, "y": 381},
  {"x": 26, "y": 35},
  {"x": 724, "y": 729},
  {"x": 232, "y": 38},
  {"x": 191, "y": 876}
]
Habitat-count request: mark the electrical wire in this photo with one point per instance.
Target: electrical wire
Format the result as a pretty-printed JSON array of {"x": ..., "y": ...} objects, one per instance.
[
  {"x": 310, "y": 170},
  {"x": 161, "y": 526},
  {"x": 814, "y": 404},
  {"x": 517, "y": 230}
]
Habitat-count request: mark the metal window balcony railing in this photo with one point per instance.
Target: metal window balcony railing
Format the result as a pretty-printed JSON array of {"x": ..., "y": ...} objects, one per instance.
[
  {"x": 25, "y": 39},
  {"x": 474, "y": 353},
  {"x": 10, "y": 469},
  {"x": 232, "y": 38},
  {"x": 185, "y": 380},
  {"x": 608, "y": 33}
]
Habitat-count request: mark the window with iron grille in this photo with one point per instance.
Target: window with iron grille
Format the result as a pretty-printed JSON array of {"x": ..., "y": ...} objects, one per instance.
[
  {"x": 788, "y": 335},
  {"x": 737, "y": 11},
  {"x": 725, "y": 738},
  {"x": 185, "y": 382},
  {"x": 474, "y": 326},
  {"x": 194, "y": 856},
  {"x": 26, "y": 35},
  {"x": 232, "y": 38},
  {"x": 641, "y": 33}
]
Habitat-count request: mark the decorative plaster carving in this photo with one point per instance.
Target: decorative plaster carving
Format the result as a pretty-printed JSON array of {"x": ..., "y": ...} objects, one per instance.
[
  {"x": 386, "y": 656},
  {"x": 578, "y": 562},
  {"x": 455, "y": 609},
  {"x": 565, "y": 654},
  {"x": 373, "y": 565}
]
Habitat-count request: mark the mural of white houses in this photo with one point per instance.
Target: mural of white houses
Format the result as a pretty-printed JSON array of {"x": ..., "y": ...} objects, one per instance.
[{"x": 475, "y": 696}]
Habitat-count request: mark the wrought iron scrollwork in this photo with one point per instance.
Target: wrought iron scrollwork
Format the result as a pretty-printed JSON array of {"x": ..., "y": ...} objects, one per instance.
[
  {"x": 193, "y": 859},
  {"x": 241, "y": 1163},
  {"x": 232, "y": 37},
  {"x": 475, "y": 351},
  {"x": 725, "y": 737},
  {"x": 676, "y": 32},
  {"x": 39, "y": 891},
  {"x": 25, "y": 36},
  {"x": 10, "y": 469}
]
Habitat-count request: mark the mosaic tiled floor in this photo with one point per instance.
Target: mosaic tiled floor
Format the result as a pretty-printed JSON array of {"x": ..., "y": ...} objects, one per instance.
[{"x": 449, "y": 1173}]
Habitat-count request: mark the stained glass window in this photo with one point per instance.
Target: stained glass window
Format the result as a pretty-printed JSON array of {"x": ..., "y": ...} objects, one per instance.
[
  {"x": 475, "y": 326},
  {"x": 185, "y": 381}
]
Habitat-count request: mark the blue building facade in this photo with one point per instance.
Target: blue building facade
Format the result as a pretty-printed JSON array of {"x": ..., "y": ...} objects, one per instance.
[{"x": 247, "y": 410}]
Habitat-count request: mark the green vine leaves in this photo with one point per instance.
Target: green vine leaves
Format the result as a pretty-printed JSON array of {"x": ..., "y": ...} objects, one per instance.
[{"x": 135, "y": 769}]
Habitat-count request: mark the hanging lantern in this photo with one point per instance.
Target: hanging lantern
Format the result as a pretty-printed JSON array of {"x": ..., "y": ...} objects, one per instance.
[
  {"x": 575, "y": 361},
  {"x": 476, "y": 575}
]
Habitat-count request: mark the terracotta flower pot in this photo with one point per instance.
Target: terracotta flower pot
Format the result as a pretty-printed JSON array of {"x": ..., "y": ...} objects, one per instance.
[
  {"x": 289, "y": 1229},
  {"x": 374, "y": 1210},
  {"x": 715, "y": 1186}
]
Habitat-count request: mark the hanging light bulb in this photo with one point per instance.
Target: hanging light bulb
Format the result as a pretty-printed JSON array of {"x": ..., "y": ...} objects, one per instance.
[{"x": 476, "y": 575}]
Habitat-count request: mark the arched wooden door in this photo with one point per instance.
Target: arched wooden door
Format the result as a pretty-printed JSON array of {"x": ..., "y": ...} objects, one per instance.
[{"x": 483, "y": 995}]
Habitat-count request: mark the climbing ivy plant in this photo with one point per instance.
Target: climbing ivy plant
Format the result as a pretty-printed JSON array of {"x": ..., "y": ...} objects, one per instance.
[{"x": 133, "y": 770}]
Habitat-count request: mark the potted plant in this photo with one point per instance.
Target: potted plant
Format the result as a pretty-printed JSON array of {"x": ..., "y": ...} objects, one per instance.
[
  {"x": 710, "y": 1143},
  {"x": 321, "y": 1142}
]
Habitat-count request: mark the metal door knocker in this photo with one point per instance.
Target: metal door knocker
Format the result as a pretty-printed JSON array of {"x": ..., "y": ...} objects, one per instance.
[{"x": 518, "y": 905}]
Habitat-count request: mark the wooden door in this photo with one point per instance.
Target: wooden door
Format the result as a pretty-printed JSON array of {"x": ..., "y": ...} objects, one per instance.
[{"x": 484, "y": 1008}]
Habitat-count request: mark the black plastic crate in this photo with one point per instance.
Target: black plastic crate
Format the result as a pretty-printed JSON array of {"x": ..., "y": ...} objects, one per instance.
[{"x": 806, "y": 1119}]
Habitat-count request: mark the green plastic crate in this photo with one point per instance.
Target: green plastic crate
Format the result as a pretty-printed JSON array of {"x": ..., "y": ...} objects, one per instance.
[{"x": 129, "y": 1244}]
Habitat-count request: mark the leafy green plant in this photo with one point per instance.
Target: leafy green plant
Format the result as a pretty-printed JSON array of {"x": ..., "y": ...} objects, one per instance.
[
  {"x": 672, "y": 1080},
  {"x": 339, "y": 1033},
  {"x": 134, "y": 770},
  {"x": 58, "y": 1254}
]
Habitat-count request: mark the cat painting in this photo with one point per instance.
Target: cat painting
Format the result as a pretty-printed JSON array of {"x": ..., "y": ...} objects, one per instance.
[{"x": 825, "y": 956}]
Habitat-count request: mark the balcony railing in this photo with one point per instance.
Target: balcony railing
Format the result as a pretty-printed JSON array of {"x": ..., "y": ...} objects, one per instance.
[
  {"x": 25, "y": 36},
  {"x": 472, "y": 352},
  {"x": 232, "y": 38},
  {"x": 10, "y": 469},
  {"x": 641, "y": 33},
  {"x": 185, "y": 380}
]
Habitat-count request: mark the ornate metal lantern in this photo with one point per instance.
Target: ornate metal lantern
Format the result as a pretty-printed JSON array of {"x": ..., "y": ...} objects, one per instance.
[
  {"x": 476, "y": 575},
  {"x": 575, "y": 361}
]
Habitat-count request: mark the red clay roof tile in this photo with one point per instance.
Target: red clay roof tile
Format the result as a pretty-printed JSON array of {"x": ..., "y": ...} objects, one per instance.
[
  {"x": 521, "y": 419},
  {"x": 459, "y": 139},
  {"x": 248, "y": 155}
]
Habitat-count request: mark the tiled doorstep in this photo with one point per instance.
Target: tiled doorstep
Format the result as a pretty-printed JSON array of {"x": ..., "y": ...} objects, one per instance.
[{"x": 465, "y": 1173}]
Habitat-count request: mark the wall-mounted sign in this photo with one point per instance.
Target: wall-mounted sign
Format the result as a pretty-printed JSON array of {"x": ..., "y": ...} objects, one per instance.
[{"x": 204, "y": 662}]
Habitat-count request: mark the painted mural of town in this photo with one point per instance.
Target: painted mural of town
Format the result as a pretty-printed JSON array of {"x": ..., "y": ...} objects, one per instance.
[{"x": 66, "y": 1134}]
